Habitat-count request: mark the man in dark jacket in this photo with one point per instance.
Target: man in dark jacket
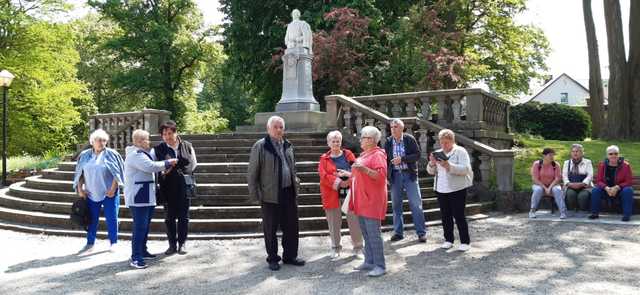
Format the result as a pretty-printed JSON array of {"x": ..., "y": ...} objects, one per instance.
[
  {"x": 174, "y": 185},
  {"x": 403, "y": 154},
  {"x": 272, "y": 181}
]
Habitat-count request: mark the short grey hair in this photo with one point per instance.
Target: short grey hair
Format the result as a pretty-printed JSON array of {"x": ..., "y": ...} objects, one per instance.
[
  {"x": 446, "y": 133},
  {"x": 397, "y": 122},
  {"x": 98, "y": 134},
  {"x": 334, "y": 134},
  {"x": 370, "y": 131},
  {"x": 273, "y": 119},
  {"x": 577, "y": 146},
  {"x": 138, "y": 135},
  {"x": 613, "y": 148}
]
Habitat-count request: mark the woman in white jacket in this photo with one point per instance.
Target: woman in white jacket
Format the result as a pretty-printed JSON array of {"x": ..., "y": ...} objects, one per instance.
[
  {"x": 453, "y": 175},
  {"x": 139, "y": 192}
]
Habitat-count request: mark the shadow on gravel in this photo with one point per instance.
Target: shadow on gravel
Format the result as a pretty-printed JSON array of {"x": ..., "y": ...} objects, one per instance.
[{"x": 52, "y": 261}]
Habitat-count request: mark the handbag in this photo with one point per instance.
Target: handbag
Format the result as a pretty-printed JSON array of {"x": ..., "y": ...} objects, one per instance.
[
  {"x": 190, "y": 186},
  {"x": 80, "y": 214}
]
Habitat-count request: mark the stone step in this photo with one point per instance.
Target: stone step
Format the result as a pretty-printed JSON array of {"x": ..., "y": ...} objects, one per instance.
[
  {"x": 319, "y": 150},
  {"x": 196, "y": 212},
  {"x": 253, "y": 135},
  {"x": 51, "y": 230},
  {"x": 253, "y": 225},
  {"x": 231, "y": 158},
  {"x": 297, "y": 142},
  {"x": 241, "y": 167}
]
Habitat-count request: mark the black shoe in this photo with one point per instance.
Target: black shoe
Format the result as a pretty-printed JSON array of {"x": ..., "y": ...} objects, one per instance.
[
  {"x": 626, "y": 218},
  {"x": 170, "y": 251},
  {"x": 296, "y": 262},
  {"x": 274, "y": 266},
  {"x": 148, "y": 255},
  {"x": 396, "y": 237},
  {"x": 594, "y": 216},
  {"x": 182, "y": 249},
  {"x": 422, "y": 238}
]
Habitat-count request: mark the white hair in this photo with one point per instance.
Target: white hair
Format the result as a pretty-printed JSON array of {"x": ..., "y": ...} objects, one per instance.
[
  {"x": 613, "y": 148},
  {"x": 98, "y": 134},
  {"x": 446, "y": 133},
  {"x": 273, "y": 119},
  {"x": 138, "y": 135},
  {"x": 577, "y": 146},
  {"x": 397, "y": 122},
  {"x": 334, "y": 134},
  {"x": 370, "y": 131}
]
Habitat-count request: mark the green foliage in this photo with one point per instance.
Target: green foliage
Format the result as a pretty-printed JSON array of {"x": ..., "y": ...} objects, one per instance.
[
  {"x": 206, "y": 121},
  {"x": 161, "y": 47},
  {"x": 49, "y": 159},
  {"x": 46, "y": 100},
  {"x": 551, "y": 121}
]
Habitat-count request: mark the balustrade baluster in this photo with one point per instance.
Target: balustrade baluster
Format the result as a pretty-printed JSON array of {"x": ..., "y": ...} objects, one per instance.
[
  {"x": 396, "y": 109},
  {"x": 485, "y": 169},
  {"x": 425, "y": 108},
  {"x": 411, "y": 107},
  {"x": 358, "y": 121},
  {"x": 347, "y": 119},
  {"x": 456, "y": 108}
]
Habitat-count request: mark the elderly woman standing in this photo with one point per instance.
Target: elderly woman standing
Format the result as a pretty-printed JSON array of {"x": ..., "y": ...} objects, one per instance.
[
  {"x": 99, "y": 170},
  {"x": 453, "y": 175},
  {"x": 139, "y": 192},
  {"x": 369, "y": 198},
  {"x": 334, "y": 168},
  {"x": 614, "y": 181}
]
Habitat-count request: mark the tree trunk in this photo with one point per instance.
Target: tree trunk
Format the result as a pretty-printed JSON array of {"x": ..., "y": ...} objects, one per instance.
[
  {"x": 618, "y": 117},
  {"x": 596, "y": 93},
  {"x": 633, "y": 66}
]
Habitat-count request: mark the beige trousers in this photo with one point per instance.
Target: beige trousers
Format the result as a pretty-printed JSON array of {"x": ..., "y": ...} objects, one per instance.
[{"x": 334, "y": 219}]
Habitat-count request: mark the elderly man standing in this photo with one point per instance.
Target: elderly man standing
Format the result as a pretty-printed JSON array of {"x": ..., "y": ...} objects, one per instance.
[
  {"x": 403, "y": 154},
  {"x": 272, "y": 181}
]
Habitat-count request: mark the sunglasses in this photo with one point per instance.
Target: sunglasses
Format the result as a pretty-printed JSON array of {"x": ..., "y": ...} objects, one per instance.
[{"x": 613, "y": 154}]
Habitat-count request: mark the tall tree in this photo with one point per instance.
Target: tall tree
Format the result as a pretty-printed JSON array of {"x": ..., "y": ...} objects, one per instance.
[
  {"x": 619, "y": 112},
  {"x": 634, "y": 66},
  {"x": 596, "y": 92},
  {"x": 162, "y": 45}
]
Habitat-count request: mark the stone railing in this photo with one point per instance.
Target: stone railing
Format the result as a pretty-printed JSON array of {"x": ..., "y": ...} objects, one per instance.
[
  {"x": 351, "y": 114},
  {"x": 472, "y": 112},
  {"x": 120, "y": 126}
]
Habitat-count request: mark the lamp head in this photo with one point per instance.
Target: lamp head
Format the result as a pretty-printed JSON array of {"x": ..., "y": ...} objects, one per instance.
[{"x": 6, "y": 78}]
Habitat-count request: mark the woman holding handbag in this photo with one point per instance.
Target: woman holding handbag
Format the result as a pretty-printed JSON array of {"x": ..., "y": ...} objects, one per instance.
[{"x": 334, "y": 170}]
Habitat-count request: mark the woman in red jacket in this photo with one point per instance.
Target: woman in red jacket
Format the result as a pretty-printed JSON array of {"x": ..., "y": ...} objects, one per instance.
[
  {"x": 369, "y": 198},
  {"x": 334, "y": 183},
  {"x": 614, "y": 180}
]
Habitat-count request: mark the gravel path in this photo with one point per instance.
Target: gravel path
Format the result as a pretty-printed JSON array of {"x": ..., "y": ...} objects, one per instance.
[{"x": 509, "y": 255}]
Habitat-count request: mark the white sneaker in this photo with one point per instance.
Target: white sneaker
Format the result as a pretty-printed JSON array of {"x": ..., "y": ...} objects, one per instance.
[
  {"x": 464, "y": 247},
  {"x": 113, "y": 248},
  {"x": 364, "y": 266},
  {"x": 334, "y": 254},
  {"x": 532, "y": 214},
  {"x": 446, "y": 245},
  {"x": 376, "y": 272},
  {"x": 563, "y": 215}
]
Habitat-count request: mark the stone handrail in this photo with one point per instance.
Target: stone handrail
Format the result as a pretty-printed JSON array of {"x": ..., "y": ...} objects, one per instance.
[
  {"x": 120, "y": 126},
  {"x": 468, "y": 108},
  {"x": 351, "y": 115}
]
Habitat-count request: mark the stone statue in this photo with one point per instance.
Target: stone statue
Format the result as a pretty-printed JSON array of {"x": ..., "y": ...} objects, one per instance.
[
  {"x": 299, "y": 33},
  {"x": 297, "y": 88}
]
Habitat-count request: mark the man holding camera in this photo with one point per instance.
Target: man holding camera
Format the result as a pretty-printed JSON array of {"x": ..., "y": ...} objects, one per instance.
[{"x": 403, "y": 153}]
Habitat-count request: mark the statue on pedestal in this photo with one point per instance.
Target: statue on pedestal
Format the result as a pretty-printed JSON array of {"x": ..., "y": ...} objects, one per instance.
[{"x": 297, "y": 88}]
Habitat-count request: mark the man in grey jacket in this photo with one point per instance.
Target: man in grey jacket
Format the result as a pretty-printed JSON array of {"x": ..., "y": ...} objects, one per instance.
[{"x": 272, "y": 181}]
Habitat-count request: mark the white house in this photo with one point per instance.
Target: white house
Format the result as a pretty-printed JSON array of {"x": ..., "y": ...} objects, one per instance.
[{"x": 562, "y": 90}]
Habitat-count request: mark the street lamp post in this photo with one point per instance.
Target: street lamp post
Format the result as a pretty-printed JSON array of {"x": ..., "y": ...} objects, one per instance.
[{"x": 5, "y": 81}]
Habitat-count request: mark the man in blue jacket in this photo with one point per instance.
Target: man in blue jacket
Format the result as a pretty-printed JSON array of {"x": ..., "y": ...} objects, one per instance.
[{"x": 403, "y": 154}]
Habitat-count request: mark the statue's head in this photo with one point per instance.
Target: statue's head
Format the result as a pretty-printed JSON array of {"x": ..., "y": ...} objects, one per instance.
[{"x": 295, "y": 14}]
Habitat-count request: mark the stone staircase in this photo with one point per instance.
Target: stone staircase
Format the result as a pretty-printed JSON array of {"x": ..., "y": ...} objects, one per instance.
[{"x": 41, "y": 203}]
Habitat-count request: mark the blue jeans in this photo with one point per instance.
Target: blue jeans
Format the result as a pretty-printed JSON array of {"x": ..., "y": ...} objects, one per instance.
[
  {"x": 111, "y": 206},
  {"x": 373, "y": 247},
  {"x": 400, "y": 181},
  {"x": 625, "y": 195},
  {"x": 141, "y": 220}
]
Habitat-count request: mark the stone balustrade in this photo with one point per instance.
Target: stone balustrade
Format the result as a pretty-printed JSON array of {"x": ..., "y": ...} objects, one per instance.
[
  {"x": 120, "y": 126},
  {"x": 351, "y": 114}
]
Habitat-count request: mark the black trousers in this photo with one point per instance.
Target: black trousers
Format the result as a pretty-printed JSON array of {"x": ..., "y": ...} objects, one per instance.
[
  {"x": 177, "y": 208},
  {"x": 452, "y": 206},
  {"x": 285, "y": 216}
]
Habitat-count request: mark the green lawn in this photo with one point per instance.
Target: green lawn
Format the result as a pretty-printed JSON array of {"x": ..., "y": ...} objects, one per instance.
[
  {"x": 28, "y": 162},
  {"x": 530, "y": 149}
]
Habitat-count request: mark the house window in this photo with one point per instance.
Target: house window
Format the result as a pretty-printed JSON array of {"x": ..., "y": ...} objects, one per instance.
[{"x": 564, "y": 98}]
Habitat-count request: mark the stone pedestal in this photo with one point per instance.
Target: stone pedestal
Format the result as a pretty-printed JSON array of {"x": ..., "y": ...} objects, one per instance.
[
  {"x": 300, "y": 121},
  {"x": 297, "y": 89}
]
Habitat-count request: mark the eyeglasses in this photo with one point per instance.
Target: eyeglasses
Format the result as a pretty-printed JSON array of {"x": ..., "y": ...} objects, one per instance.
[
  {"x": 613, "y": 154},
  {"x": 366, "y": 137}
]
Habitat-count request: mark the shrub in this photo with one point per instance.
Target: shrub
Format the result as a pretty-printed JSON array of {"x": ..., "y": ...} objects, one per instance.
[{"x": 551, "y": 121}]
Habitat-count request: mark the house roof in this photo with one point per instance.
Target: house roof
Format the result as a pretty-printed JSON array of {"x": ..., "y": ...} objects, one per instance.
[{"x": 526, "y": 100}]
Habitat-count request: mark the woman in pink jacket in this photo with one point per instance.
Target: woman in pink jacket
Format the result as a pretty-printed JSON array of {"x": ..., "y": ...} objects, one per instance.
[{"x": 369, "y": 198}]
